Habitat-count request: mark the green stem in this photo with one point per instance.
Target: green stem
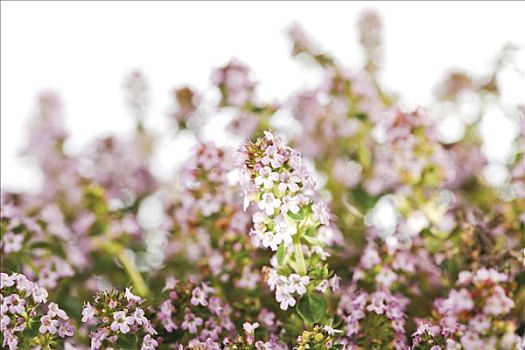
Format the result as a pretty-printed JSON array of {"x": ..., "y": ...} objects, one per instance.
[
  {"x": 299, "y": 258},
  {"x": 117, "y": 250},
  {"x": 134, "y": 274}
]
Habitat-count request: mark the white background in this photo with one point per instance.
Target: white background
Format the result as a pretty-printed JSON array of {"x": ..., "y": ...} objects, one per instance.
[{"x": 83, "y": 50}]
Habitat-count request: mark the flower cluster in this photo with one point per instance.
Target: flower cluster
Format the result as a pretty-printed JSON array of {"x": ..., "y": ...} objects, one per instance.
[
  {"x": 194, "y": 314},
  {"x": 235, "y": 83},
  {"x": 473, "y": 316},
  {"x": 364, "y": 313},
  {"x": 289, "y": 218},
  {"x": 28, "y": 320},
  {"x": 383, "y": 267},
  {"x": 209, "y": 224},
  {"x": 117, "y": 320}
]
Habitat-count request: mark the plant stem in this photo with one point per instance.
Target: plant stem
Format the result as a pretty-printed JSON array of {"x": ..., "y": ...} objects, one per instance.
[
  {"x": 134, "y": 274},
  {"x": 299, "y": 258},
  {"x": 117, "y": 250}
]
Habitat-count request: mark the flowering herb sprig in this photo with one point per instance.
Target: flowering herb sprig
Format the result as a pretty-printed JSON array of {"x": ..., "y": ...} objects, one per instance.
[
  {"x": 28, "y": 319},
  {"x": 287, "y": 218},
  {"x": 117, "y": 320},
  {"x": 364, "y": 313},
  {"x": 193, "y": 315},
  {"x": 474, "y": 315}
]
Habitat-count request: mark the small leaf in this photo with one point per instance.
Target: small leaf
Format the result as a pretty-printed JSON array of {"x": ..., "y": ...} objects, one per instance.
[
  {"x": 127, "y": 341},
  {"x": 313, "y": 241},
  {"x": 281, "y": 254},
  {"x": 297, "y": 217},
  {"x": 312, "y": 308},
  {"x": 32, "y": 331}
]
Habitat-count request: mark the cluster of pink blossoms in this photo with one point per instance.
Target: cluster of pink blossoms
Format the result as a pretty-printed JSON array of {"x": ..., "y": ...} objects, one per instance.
[
  {"x": 117, "y": 320},
  {"x": 473, "y": 316},
  {"x": 362, "y": 314},
  {"x": 25, "y": 309},
  {"x": 288, "y": 218}
]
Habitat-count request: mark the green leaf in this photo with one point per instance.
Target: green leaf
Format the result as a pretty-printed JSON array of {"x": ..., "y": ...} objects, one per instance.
[
  {"x": 32, "y": 331},
  {"x": 312, "y": 308},
  {"x": 127, "y": 341},
  {"x": 313, "y": 241},
  {"x": 297, "y": 217},
  {"x": 281, "y": 254}
]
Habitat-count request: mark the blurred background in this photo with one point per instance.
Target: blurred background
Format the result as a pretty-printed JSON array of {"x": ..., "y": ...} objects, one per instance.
[{"x": 84, "y": 50}]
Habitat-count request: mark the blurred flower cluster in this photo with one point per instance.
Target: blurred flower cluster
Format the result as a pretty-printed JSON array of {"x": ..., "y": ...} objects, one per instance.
[{"x": 342, "y": 219}]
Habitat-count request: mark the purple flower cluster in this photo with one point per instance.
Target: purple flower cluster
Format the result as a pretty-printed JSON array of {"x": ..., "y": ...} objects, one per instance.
[
  {"x": 473, "y": 315},
  {"x": 116, "y": 318},
  {"x": 25, "y": 308},
  {"x": 363, "y": 312}
]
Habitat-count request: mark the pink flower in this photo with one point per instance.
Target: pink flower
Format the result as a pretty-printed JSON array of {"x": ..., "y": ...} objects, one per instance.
[
  {"x": 6, "y": 280},
  {"x": 289, "y": 204},
  {"x": 15, "y": 304},
  {"x": 40, "y": 295},
  {"x": 269, "y": 203},
  {"x": 198, "y": 296},
  {"x": 284, "y": 298},
  {"x": 191, "y": 323},
  {"x": 54, "y": 310},
  {"x": 121, "y": 322},
  {"x": 498, "y": 303},
  {"x": 132, "y": 297},
  {"x": 266, "y": 177},
  {"x": 297, "y": 284},
  {"x": 250, "y": 327},
  {"x": 138, "y": 317},
  {"x": 88, "y": 312},
  {"x": 148, "y": 343},
  {"x": 12, "y": 243},
  {"x": 48, "y": 325},
  {"x": 289, "y": 181}
]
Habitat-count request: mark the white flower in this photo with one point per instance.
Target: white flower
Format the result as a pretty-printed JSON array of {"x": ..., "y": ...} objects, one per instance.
[
  {"x": 289, "y": 181},
  {"x": 330, "y": 330},
  {"x": 298, "y": 283},
  {"x": 6, "y": 280},
  {"x": 335, "y": 283},
  {"x": 148, "y": 343},
  {"x": 273, "y": 157},
  {"x": 269, "y": 203},
  {"x": 321, "y": 212},
  {"x": 284, "y": 299},
  {"x": 121, "y": 322},
  {"x": 250, "y": 327},
  {"x": 48, "y": 325},
  {"x": 138, "y": 317},
  {"x": 322, "y": 286},
  {"x": 270, "y": 240},
  {"x": 53, "y": 310},
  {"x": 40, "y": 295},
  {"x": 284, "y": 231},
  {"x": 132, "y": 297},
  {"x": 370, "y": 258},
  {"x": 290, "y": 203},
  {"x": 87, "y": 312},
  {"x": 386, "y": 277},
  {"x": 266, "y": 177},
  {"x": 498, "y": 303},
  {"x": 171, "y": 283},
  {"x": 12, "y": 242}
]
